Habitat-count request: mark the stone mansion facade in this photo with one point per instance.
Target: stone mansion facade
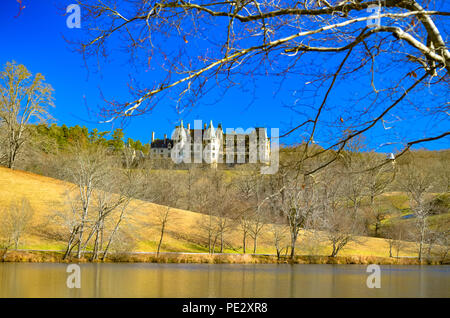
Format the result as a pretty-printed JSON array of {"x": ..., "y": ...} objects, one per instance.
[{"x": 211, "y": 145}]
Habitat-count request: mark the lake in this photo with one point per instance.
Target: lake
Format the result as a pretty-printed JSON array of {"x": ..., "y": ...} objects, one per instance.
[{"x": 204, "y": 280}]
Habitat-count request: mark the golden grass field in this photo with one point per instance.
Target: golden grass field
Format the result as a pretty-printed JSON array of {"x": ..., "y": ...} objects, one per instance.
[{"x": 184, "y": 234}]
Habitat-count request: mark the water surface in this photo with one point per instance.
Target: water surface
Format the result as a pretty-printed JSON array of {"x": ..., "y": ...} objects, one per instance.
[{"x": 203, "y": 280}]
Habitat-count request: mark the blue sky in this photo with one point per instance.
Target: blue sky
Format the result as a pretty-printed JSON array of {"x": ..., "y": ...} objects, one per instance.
[{"x": 35, "y": 39}]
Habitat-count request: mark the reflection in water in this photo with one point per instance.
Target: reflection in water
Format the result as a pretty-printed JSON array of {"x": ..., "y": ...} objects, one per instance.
[{"x": 200, "y": 280}]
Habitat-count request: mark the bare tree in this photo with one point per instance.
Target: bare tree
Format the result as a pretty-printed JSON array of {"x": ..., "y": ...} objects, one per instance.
[
  {"x": 376, "y": 182},
  {"x": 224, "y": 214},
  {"x": 258, "y": 220},
  {"x": 99, "y": 200},
  {"x": 279, "y": 232},
  {"x": 163, "y": 218},
  {"x": 23, "y": 99},
  {"x": 339, "y": 202},
  {"x": 244, "y": 223},
  {"x": 87, "y": 168},
  {"x": 203, "y": 202},
  {"x": 15, "y": 221},
  {"x": 250, "y": 186},
  {"x": 222, "y": 206},
  {"x": 416, "y": 181},
  {"x": 166, "y": 191},
  {"x": 395, "y": 56},
  {"x": 208, "y": 225},
  {"x": 18, "y": 219},
  {"x": 443, "y": 241},
  {"x": 190, "y": 180},
  {"x": 340, "y": 229},
  {"x": 444, "y": 173},
  {"x": 114, "y": 231},
  {"x": 115, "y": 193},
  {"x": 131, "y": 184},
  {"x": 130, "y": 157},
  {"x": 244, "y": 193},
  {"x": 214, "y": 197},
  {"x": 437, "y": 239},
  {"x": 350, "y": 171},
  {"x": 297, "y": 201},
  {"x": 396, "y": 233}
]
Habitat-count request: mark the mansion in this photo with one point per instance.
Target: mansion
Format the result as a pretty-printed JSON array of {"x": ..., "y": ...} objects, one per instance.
[{"x": 211, "y": 145}]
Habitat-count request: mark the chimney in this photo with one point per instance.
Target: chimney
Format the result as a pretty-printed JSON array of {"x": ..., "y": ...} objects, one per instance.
[
  {"x": 204, "y": 126},
  {"x": 182, "y": 126},
  {"x": 189, "y": 126},
  {"x": 165, "y": 138},
  {"x": 153, "y": 136}
]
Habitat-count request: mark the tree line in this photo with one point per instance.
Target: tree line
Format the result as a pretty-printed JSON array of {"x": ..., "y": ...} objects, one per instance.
[
  {"x": 336, "y": 195},
  {"x": 337, "y": 204}
]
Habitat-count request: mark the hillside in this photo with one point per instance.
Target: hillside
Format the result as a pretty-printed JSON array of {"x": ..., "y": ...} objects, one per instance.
[{"x": 184, "y": 233}]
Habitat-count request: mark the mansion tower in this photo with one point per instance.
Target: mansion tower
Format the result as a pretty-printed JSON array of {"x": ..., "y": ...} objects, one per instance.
[{"x": 210, "y": 145}]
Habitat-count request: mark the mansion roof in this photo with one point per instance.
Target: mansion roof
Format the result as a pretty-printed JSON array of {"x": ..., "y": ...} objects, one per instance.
[{"x": 206, "y": 133}]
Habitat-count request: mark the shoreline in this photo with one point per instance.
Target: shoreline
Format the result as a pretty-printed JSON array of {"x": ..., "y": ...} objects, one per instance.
[{"x": 34, "y": 256}]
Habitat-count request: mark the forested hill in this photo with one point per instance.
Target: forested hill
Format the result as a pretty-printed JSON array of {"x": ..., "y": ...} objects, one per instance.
[{"x": 51, "y": 136}]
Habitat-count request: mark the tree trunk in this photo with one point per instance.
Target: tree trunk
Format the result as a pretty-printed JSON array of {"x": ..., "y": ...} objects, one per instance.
[
  {"x": 69, "y": 244},
  {"x": 422, "y": 237},
  {"x": 12, "y": 156},
  {"x": 161, "y": 238},
  {"x": 80, "y": 238},
  {"x": 293, "y": 242},
  {"x": 209, "y": 242},
  {"x": 334, "y": 252},
  {"x": 214, "y": 245},
  {"x": 96, "y": 246},
  {"x": 377, "y": 228},
  {"x": 111, "y": 237}
]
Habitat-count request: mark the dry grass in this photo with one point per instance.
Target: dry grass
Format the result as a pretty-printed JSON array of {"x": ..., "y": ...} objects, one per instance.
[
  {"x": 183, "y": 234},
  {"x": 55, "y": 257}
]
